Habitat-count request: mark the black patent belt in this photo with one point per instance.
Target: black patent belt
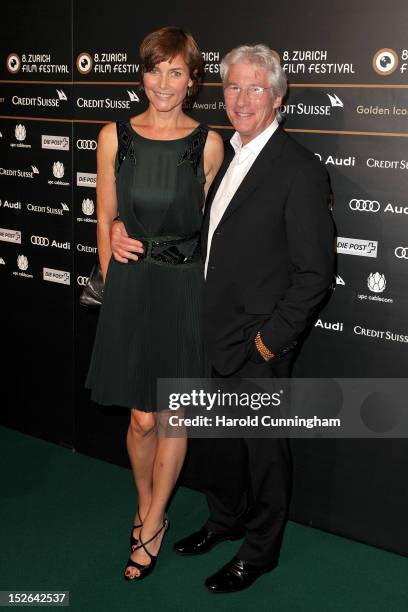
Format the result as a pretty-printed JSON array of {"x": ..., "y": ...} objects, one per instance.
[{"x": 174, "y": 250}]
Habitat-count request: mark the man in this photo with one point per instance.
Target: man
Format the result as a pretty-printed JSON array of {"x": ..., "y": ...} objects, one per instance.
[{"x": 268, "y": 241}]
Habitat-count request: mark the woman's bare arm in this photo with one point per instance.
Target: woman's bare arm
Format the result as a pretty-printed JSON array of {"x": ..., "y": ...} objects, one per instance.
[
  {"x": 106, "y": 202},
  {"x": 213, "y": 156}
]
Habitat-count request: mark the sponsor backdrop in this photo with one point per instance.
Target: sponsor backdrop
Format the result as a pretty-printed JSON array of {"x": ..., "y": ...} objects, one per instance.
[{"x": 69, "y": 68}]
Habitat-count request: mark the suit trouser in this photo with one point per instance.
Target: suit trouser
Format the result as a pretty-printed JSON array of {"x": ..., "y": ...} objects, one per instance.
[{"x": 251, "y": 481}]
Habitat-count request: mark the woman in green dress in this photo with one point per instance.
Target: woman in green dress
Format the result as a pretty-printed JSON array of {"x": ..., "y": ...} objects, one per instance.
[{"x": 153, "y": 172}]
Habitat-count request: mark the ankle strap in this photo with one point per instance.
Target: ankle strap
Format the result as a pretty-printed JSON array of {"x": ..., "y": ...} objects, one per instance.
[{"x": 143, "y": 544}]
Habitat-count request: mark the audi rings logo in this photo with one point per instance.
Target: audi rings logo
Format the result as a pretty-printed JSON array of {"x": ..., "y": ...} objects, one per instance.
[
  {"x": 82, "y": 281},
  {"x": 40, "y": 240},
  {"x": 89, "y": 145},
  {"x": 401, "y": 252},
  {"x": 364, "y": 205}
]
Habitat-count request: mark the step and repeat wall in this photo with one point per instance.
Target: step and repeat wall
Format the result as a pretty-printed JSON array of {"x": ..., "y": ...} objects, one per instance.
[{"x": 66, "y": 69}]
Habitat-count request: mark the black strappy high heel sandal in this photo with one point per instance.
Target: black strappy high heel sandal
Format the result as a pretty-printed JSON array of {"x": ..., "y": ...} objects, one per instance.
[
  {"x": 135, "y": 541},
  {"x": 145, "y": 570}
]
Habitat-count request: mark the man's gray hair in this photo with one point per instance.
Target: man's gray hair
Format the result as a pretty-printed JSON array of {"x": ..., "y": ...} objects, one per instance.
[{"x": 260, "y": 55}]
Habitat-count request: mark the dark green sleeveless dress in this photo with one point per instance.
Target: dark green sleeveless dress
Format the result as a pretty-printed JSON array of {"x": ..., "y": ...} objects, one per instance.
[{"x": 150, "y": 320}]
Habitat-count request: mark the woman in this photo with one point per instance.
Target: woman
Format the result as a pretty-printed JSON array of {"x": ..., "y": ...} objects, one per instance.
[{"x": 153, "y": 172}]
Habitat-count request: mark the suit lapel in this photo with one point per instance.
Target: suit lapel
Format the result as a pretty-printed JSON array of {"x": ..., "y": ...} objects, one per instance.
[{"x": 260, "y": 167}]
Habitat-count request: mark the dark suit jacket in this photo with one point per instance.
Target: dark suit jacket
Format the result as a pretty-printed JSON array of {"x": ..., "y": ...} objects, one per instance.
[{"x": 272, "y": 254}]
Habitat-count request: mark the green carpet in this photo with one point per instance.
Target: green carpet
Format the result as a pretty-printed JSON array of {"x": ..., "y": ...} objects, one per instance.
[{"x": 65, "y": 522}]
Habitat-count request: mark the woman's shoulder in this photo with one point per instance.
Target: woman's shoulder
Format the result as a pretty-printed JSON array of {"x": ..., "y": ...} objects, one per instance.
[
  {"x": 213, "y": 153},
  {"x": 108, "y": 130},
  {"x": 107, "y": 141},
  {"x": 110, "y": 133},
  {"x": 215, "y": 138},
  {"x": 107, "y": 138},
  {"x": 215, "y": 143}
]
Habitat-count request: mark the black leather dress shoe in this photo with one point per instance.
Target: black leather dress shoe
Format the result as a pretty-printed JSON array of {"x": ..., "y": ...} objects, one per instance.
[
  {"x": 204, "y": 540},
  {"x": 236, "y": 575}
]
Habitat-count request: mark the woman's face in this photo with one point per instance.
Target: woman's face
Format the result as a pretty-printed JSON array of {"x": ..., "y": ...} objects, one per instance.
[{"x": 166, "y": 84}]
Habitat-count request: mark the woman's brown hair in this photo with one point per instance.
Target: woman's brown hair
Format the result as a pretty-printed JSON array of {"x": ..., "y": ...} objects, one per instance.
[{"x": 164, "y": 44}]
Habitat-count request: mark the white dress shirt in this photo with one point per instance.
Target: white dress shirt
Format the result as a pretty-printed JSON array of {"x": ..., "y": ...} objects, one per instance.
[{"x": 243, "y": 159}]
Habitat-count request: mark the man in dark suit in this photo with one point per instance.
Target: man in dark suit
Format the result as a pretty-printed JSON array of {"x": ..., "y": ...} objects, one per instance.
[
  {"x": 268, "y": 243},
  {"x": 268, "y": 240}
]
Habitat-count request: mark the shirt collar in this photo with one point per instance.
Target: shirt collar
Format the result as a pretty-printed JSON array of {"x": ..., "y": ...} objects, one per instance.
[{"x": 256, "y": 144}]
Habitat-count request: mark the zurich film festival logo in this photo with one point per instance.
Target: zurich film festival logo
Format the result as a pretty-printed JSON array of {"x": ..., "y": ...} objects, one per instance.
[
  {"x": 106, "y": 62},
  {"x": 84, "y": 63},
  {"x": 13, "y": 63},
  {"x": 385, "y": 62}
]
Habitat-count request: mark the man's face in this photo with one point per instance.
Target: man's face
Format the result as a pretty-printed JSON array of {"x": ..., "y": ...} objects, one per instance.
[{"x": 250, "y": 116}]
